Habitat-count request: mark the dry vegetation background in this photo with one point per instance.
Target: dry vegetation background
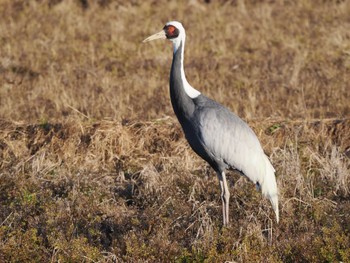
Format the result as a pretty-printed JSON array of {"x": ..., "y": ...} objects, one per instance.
[{"x": 94, "y": 167}]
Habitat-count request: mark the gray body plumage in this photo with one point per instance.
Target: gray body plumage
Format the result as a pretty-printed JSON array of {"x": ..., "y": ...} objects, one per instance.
[{"x": 213, "y": 132}]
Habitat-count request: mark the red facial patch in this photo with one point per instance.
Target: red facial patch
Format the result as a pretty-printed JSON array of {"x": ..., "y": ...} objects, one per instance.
[{"x": 171, "y": 30}]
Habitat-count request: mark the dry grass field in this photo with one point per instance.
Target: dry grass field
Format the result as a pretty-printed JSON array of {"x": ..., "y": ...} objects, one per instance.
[{"x": 94, "y": 166}]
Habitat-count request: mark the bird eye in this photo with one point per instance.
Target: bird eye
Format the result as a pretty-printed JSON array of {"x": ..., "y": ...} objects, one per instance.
[{"x": 171, "y": 31}]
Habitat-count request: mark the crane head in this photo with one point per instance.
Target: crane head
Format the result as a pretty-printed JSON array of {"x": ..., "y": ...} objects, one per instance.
[{"x": 172, "y": 30}]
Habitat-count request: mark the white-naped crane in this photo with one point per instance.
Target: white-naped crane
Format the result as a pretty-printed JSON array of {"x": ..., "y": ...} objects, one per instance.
[{"x": 215, "y": 133}]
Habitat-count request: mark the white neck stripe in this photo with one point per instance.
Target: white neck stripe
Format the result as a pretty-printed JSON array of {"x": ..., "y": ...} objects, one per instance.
[{"x": 190, "y": 91}]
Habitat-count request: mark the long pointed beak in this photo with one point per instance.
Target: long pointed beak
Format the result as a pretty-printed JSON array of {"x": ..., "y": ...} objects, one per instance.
[{"x": 159, "y": 35}]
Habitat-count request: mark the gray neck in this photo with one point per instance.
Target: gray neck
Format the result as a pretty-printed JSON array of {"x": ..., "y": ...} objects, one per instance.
[{"x": 182, "y": 104}]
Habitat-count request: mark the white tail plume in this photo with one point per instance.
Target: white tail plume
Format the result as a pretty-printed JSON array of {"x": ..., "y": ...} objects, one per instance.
[{"x": 269, "y": 186}]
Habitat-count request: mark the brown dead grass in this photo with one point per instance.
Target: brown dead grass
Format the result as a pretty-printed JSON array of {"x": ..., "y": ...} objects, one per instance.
[
  {"x": 106, "y": 190},
  {"x": 260, "y": 59},
  {"x": 92, "y": 168}
]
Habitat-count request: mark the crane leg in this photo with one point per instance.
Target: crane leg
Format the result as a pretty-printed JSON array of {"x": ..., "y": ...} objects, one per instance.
[{"x": 225, "y": 197}]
